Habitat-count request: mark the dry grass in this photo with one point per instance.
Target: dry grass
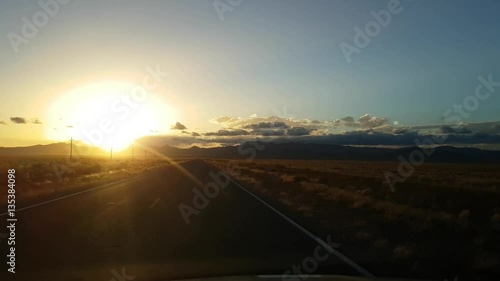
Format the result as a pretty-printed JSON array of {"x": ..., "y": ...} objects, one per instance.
[
  {"x": 443, "y": 213},
  {"x": 42, "y": 176}
]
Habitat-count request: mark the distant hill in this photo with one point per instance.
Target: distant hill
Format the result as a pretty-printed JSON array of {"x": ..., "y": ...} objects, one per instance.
[
  {"x": 53, "y": 149},
  {"x": 272, "y": 150},
  {"x": 334, "y": 152}
]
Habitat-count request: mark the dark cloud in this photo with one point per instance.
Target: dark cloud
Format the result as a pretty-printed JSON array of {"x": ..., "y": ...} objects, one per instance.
[
  {"x": 22, "y": 120},
  {"x": 447, "y": 130},
  {"x": 266, "y": 125},
  {"x": 366, "y": 121},
  {"x": 400, "y": 131},
  {"x": 178, "y": 126},
  {"x": 368, "y": 137},
  {"x": 195, "y": 134},
  {"x": 462, "y": 130},
  {"x": 18, "y": 120},
  {"x": 254, "y": 123},
  {"x": 347, "y": 120},
  {"x": 298, "y": 131},
  {"x": 458, "y": 130},
  {"x": 264, "y": 132},
  {"x": 3, "y": 123},
  {"x": 236, "y": 132},
  {"x": 366, "y": 130}
]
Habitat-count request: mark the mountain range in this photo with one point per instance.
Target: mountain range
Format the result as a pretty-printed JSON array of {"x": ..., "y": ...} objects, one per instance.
[{"x": 270, "y": 150}]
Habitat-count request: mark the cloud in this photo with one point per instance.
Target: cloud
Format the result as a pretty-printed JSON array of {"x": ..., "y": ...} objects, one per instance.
[
  {"x": 269, "y": 126},
  {"x": 298, "y": 131},
  {"x": 22, "y": 120},
  {"x": 195, "y": 134},
  {"x": 18, "y": 120},
  {"x": 348, "y": 119},
  {"x": 400, "y": 131},
  {"x": 366, "y": 122},
  {"x": 178, "y": 126},
  {"x": 3, "y": 123},
  {"x": 447, "y": 130},
  {"x": 237, "y": 132},
  {"x": 266, "y": 132},
  {"x": 458, "y": 130},
  {"x": 266, "y": 125},
  {"x": 366, "y": 130},
  {"x": 364, "y": 137},
  {"x": 224, "y": 120}
]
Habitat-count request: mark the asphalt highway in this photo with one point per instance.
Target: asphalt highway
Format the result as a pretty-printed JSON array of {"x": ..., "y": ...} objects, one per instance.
[{"x": 135, "y": 230}]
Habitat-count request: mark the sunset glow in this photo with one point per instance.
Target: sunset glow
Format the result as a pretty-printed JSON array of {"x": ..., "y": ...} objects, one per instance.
[{"x": 107, "y": 115}]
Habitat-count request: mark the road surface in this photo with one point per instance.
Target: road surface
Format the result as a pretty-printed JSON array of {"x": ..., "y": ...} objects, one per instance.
[{"x": 134, "y": 230}]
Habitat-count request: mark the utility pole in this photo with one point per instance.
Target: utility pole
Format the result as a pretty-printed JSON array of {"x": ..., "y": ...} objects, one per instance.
[
  {"x": 71, "y": 149},
  {"x": 132, "y": 153},
  {"x": 111, "y": 155}
]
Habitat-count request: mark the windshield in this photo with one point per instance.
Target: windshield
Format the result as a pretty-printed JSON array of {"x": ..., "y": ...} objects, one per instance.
[{"x": 284, "y": 139}]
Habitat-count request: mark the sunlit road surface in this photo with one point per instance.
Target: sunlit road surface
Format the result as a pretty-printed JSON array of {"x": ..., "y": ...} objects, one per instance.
[{"x": 136, "y": 227}]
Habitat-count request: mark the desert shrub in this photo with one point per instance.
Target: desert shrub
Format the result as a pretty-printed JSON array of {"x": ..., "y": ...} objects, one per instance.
[
  {"x": 381, "y": 243},
  {"x": 89, "y": 169},
  {"x": 120, "y": 165},
  {"x": 323, "y": 180},
  {"x": 364, "y": 236},
  {"x": 299, "y": 179},
  {"x": 464, "y": 215},
  {"x": 286, "y": 178},
  {"x": 402, "y": 251},
  {"x": 495, "y": 220},
  {"x": 37, "y": 170}
]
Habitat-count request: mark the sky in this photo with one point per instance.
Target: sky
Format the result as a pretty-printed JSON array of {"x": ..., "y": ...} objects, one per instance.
[{"x": 218, "y": 67}]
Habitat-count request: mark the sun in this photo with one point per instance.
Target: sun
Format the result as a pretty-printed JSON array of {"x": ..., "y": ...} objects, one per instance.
[{"x": 109, "y": 115}]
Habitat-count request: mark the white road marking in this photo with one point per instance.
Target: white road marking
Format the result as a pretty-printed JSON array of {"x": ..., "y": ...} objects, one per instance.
[
  {"x": 320, "y": 241},
  {"x": 283, "y": 276},
  {"x": 74, "y": 194},
  {"x": 154, "y": 203}
]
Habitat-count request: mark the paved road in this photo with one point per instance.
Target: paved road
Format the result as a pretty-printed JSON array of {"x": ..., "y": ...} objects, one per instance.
[{"x": 136, "y": 228}]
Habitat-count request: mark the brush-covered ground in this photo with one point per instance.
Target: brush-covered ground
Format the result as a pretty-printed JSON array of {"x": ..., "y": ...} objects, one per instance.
[
  {"x": 442, "y": 221},
  {"x": 46, "y": 176}
]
